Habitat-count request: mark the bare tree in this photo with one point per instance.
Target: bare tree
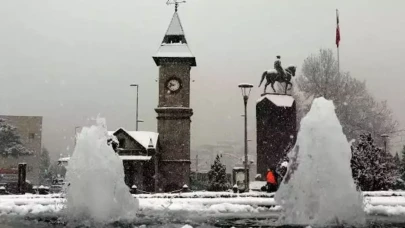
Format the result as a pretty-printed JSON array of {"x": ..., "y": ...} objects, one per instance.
[{"x": 356, "y": 108}]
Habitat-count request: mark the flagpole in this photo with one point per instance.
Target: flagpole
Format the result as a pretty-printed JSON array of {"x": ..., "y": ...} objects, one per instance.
[{"x": 338, "y": 57}]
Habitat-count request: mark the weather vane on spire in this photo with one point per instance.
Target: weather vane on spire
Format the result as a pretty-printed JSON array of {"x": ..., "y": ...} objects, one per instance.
[{"x": 175, "y": 2}]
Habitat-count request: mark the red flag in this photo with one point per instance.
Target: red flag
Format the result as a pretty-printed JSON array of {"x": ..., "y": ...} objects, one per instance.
[{"x": 337, "y": 29}]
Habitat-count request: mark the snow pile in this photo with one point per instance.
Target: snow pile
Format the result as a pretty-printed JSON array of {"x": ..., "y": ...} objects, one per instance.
[
  {"x": 318, "y": 187},
  {"x": 96, "y": 177},
  {"x": 384, "y": 193},
  {"x": 10, "y": 208},
  {"x": 233, "y": 208},
  {"x": 202, "y": 195},
  {"x": 151, "y": 206},
  {"x": 385, "y": 210},
  {"x": 257, "y": 186},
  {"x": 386, "y": 201},
  {"x": 22, "y": 205}
]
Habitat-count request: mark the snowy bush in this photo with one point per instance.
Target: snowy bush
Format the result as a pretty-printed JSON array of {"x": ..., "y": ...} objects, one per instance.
[
  {"x": 356, "y": 108},
  {"x": 112, "y": 141},
  {"x": 10, "y": 141},
  {"x": 217, "y": 176},
  {"x": 373, "y": 169}
]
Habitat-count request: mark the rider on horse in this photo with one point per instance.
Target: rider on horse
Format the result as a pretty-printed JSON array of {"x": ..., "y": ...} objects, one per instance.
[
  {"x": 278, "y": 75},
  {"x": 279, "y": 68}
]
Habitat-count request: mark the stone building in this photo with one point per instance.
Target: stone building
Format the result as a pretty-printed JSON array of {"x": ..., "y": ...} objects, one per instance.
[
  {"x": 29, "y": 129},
  {"x": 138, "y": 150}
]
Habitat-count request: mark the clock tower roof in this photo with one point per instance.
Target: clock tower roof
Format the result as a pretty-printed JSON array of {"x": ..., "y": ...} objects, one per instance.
[
  {"x": 175, "y": 27},
  {"x": 174, "y": 47}
]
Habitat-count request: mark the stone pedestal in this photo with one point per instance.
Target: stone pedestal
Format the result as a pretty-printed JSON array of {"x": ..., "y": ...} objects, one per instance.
[{"x": 276, "y": 129}]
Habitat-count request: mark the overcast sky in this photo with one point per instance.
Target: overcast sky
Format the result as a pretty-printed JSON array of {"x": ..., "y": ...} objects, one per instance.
[{"x": 69, "y": 61}]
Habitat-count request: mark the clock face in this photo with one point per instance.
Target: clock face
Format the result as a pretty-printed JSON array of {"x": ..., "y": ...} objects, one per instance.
[{"x": 173, "y": 84}]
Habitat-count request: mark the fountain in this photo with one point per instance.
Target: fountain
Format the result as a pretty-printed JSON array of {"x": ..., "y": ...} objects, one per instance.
[
  {"x": 318, "y": 188},
  {"x": 96, "y": 188}
]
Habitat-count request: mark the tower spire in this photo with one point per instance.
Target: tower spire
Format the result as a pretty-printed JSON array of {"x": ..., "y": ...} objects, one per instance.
[
  {"x": 176, "y": 4},
  {"x": 174, "y": 45}
]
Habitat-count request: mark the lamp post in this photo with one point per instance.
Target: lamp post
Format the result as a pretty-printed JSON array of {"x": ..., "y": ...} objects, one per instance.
[
  {"x": 245, "y": 89},
  {"x": 385, "y": 137},
  {"x": 137, "y": 98}
]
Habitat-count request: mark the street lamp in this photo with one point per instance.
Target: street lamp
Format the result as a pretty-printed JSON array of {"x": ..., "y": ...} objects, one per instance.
[
  {"x": 385, "y": 137},
  {"x": 137, "y": 98},
  {"x": 245, "y": 89}
]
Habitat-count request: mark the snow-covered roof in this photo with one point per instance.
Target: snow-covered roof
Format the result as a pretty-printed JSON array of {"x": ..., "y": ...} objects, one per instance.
[
  {"x": 65, "y": 159},
  {"x": 123, "y": 157},
  {"x": 135, "y": 157},
  {"x": 174, "y": 44},
  {"x": 245, "y": 85},
  {"x": 284, "y": 164},
  {"x": 278, "y": 99},
  {"x": 174, "y": 50},
  {"x": 175, "y": 27},
  {"x": 142, "y": 137}
]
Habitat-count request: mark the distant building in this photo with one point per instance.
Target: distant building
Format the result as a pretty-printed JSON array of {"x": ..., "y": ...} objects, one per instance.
[{"x": 29, "y": 129}]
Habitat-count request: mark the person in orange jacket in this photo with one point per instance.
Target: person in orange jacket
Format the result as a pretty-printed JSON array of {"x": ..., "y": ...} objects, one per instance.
[{"x": 271, "y": 181}]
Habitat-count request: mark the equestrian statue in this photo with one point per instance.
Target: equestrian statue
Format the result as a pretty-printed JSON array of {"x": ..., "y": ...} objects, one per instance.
[{"x": 278, "y": 74}]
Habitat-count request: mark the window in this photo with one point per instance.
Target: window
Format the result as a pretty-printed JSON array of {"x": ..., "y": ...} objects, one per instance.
[{"x": 122, "y": 143}]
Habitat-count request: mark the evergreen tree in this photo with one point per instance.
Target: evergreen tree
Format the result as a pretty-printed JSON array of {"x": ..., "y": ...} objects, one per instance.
[
  {"x": 44, "y": 166},
  {"x": 373, "y": 169},
  {"x": 402, "y": 169},
  {"x": 10, "y": 141},
  {"x": 397, "y": 161},
  {"x": 217, "y": 176}
]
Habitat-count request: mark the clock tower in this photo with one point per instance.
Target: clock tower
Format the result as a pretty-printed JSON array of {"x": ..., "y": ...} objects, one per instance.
[{"x": 174, "y": 60}]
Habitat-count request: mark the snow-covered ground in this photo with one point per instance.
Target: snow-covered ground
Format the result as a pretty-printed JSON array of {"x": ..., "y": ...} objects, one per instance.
[{"x": 375, "y": 203}]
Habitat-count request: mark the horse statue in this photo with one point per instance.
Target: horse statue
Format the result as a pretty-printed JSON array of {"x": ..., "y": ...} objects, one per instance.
[{"x": 273, "y": 76}]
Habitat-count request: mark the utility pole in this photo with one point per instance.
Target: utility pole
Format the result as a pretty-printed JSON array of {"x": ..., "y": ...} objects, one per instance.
[
  {"x": 196, "y": 164},
  {"x": 137, "y": 99}
]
